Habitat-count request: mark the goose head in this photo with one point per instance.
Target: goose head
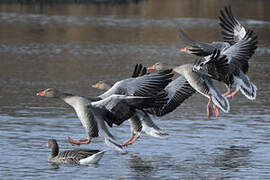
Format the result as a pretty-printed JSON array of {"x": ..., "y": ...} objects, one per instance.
[{"x": 50, "y": 92}]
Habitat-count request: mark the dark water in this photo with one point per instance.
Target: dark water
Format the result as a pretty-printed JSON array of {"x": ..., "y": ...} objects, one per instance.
[{"x": 71, "y": 46}]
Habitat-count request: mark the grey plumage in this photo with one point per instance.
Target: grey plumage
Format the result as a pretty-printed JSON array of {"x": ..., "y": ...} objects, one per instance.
[
  {"x": 216, "y": 66},
  {"x": 113, "y": 110},
  {"x": 120, "y": 107},
  {"x": 204, "y": 85},
  {"x": 231, "y": 29},
  {"x": 70, "y": 156},
  {"x": 147, "y": 85},
  {"x": 135, "y": 124},
  {"x": 140, "y": 121},
  {"x": 239, "y": 45},
  {"x": 178, "y": 91}
]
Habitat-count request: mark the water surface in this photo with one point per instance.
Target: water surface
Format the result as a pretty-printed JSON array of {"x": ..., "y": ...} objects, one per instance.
[{"x": 70, "y": 46}]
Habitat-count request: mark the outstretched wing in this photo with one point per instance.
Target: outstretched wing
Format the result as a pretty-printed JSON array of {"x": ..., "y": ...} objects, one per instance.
[
  {"x": 178, "y": 91},
  {"x": 139, "y": 70},
  {"x": 149, "y": 127},
  {"x": 118, "y": 108},
  {"x": 231, "y": 29},
  {"x": 196, "y": 48},
  {"x": 146, "y": 85},
  {"x": 240, "y": 53},
  {"x": 215, "y": 66}
]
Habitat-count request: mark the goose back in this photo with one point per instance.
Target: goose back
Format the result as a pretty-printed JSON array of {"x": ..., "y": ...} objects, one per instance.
[{"x": 73, "y": 156}]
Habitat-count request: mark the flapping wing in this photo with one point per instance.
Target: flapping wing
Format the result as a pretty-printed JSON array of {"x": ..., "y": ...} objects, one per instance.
[
  {"x": 146, "y": 85},
  {"x": 239, "y": 53},
  {"x": 137, "y": 70},
  {"x": 104, "y": 132},
  {"x": 215, "y": 66},
  {"x": 196, "y": 48},
  {"x": 118, "y": 108},
  {"x": 231, "y": 29},
  {"x": 149, "y": 127},
  {"x": 144, "y": 71},
  {"x": 149, "y": 85},
  {"x": 178, "y": 91}
]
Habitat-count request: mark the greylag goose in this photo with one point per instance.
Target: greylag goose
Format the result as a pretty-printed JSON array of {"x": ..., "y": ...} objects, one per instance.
[
  {"x": 151, "y": 83},
  {"x": 177, "y": 92},
  {"x": 75, "y": 156},
  {"x": 202, "y": 83},
  {"x": 141, "y": 121},
  {"x": 102, "y": 85},
  {"x": 239, "y": 45},
  {"x": 113, "y": 110},
  {"x": 160, "y": 66}
]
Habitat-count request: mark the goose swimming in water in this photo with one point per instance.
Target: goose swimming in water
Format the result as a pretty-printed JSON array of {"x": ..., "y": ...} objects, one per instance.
[{"x": 75, "y": 156}]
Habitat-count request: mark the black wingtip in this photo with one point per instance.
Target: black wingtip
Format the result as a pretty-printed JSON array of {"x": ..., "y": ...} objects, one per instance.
[
  {"x": 144, "y": 71},
  {"x": 167, "y": 71},
  {"x": 215, "y": 55},
  {"x": 137, "y": 70}
]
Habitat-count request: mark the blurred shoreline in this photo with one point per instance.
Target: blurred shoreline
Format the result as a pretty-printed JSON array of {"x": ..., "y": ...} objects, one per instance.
[{"x": 68, "y": 1}]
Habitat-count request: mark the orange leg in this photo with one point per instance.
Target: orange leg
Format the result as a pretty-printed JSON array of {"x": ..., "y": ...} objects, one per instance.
[
  {"x": 227, "y": 93},
  {"x": 137, "y": 137},
  {"x": 216, "y": 110},
  {"x": 79, "y": 141},
  {"x": 208, "y": 109},
  {"x": 128, "y": 141},
  {"x": 232, "y": 94}
]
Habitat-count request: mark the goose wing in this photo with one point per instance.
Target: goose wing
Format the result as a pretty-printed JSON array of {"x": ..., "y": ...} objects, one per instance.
[
  {"x": 240, "y": 53},
  {"x": 146, "y": 85},
  {"x": 118, "y": 108},
  {"x": 196, "y": 48},
  {"x": 222, "y": 65},
  {"x": 231, "y": 29},
  {"x": 74, "y": 156},
  {"x": 215, "y": 66},
  {"x": 178, "y": 91},
  {"x": 139, "y": 70},
  {"x": 149, "y": 127}
]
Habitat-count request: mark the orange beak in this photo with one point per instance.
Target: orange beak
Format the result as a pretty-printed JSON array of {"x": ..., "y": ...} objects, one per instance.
[
  {"x": 47, "y": 144},
  {"x": 95, "y": 85},
  {"x": 42, "y": 93},
  {"x": 151, "y": 67},
  {"x": 184, "y": 49}
]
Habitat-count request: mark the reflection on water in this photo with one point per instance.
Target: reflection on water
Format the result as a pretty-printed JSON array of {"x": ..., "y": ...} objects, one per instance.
[
  {"x": 72, "y": 45},
  {"x": 232, "y": 158},
  {"x": 141, "y": 167}
]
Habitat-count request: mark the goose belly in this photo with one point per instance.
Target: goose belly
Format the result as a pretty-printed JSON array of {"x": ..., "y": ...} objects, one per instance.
[
  {"x": 88, "y": 121},
  {"x": 198, "y": 83}
]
